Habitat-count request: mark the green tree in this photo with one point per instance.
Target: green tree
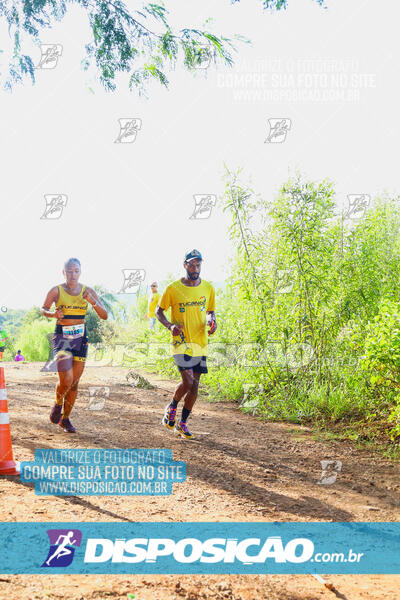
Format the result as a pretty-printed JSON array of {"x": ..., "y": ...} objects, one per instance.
[
  {"x": 33, "y": 339},
  {"x": 107, "y": 298},
  {"x": 305, "y": 289},
  {"x": 12, "y": 321},
  {"x": 32, "y": 315},
  {"x": 99, "y": 330},
  {"x": 94, "y": 326},
  {"x": 139, "y": 41},
  {"x": 278, "y": 4}
]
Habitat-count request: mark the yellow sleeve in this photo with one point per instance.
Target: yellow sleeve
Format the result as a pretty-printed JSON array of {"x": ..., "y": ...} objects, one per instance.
[
  {"x": 211, "y": 300},
  {"x": 166, "y": 300}
]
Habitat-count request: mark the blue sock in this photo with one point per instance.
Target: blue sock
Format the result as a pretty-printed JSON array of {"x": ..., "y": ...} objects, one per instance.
[
  {"x": 174, "y": 403},
  {"x": 185, "y": 414}
]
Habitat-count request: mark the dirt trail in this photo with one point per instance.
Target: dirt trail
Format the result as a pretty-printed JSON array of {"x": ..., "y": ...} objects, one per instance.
[{"x": 238, "y": 469}]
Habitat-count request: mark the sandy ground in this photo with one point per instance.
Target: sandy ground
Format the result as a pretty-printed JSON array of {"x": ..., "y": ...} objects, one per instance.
[{"x": 238, "y": 469}]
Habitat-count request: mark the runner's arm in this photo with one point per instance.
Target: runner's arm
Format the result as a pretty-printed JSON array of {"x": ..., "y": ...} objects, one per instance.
[
  {"x": 213, "y": 323},
  {"x": 174, "y": 329},
  {"x": 90, "y": 295},
  {"x": 50, "y": 298}
]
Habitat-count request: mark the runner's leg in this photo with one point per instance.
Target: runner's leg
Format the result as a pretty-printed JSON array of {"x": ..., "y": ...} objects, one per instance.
[
  {"x": 184, "y": 386},
  {"x": 181, "y": 390},
  {"x": 191, "y": 395},
  {"x": 65, "y": 382},
  {"x": 70, "y": 397},
  {"x": 66, "y": 379},
  {"x": 63, "y": 357},
  {"x": 189, "y": 400}
]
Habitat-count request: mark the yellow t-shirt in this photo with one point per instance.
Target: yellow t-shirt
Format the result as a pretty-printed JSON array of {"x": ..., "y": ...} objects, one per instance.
[
  {"x": 189, "y": 306},
  {"x": 154, "y": 298}
]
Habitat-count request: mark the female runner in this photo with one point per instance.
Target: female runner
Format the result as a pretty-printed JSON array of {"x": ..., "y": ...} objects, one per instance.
[{"x": 70, "y": 341}]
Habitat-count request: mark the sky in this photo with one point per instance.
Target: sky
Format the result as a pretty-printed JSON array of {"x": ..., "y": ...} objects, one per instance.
[{"x": 328, "y": 76}]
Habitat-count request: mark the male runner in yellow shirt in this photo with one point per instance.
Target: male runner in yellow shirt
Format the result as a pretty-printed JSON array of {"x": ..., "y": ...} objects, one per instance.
[
  {"x": 153, "y": 301},
  {"x": 192, "y": 303}
]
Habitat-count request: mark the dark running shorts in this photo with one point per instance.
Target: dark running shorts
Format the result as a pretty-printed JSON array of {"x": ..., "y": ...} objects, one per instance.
[
  {"x": 66, "y": 350},
  {"x": 2, "y": 348},
  {"x": 185, "y": 362}
]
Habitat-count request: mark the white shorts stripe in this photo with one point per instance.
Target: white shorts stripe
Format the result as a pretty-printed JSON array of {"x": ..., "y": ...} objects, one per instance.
[{"x": 4, "y": 418}]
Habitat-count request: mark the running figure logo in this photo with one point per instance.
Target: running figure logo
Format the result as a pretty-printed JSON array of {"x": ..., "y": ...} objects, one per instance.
[
  {"x": 132, "y": 280},
  {"x": 330, "y": 470},
  {"x": 97, "y": 397},
  {"x": 203, "y": 205},
  {"x": 50, "y": 55},
  {"x": 278, "y": 129},
  {"x": 204, "y": 54},
  {"x": 284, "y": 284},
  {"x": 128, "y": 129},
  {"x": 358, "y": 204},
  {"x": 55, "y": 204},
  {"x": 251, "y": 395},
  {"x": 61, "y": 551}
]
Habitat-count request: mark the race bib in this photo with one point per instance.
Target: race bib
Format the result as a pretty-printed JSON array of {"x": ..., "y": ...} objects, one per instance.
[{"x": 72, "y": 332}]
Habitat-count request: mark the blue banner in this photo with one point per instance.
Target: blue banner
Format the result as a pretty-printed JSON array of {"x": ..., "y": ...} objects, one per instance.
[{"x": 202, "y": 548}]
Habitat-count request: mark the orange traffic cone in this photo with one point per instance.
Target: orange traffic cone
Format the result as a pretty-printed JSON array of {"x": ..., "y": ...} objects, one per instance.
[{"x": 7, "y": 464}]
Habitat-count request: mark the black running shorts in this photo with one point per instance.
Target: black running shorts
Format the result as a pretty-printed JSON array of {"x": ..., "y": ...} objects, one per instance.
[
  {"x": 185, "y": 362},
  {"x": 65, "y": 350}
]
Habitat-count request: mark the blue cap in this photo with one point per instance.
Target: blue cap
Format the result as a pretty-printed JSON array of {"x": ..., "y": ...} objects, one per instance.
[{"x": 192, "y": 255}]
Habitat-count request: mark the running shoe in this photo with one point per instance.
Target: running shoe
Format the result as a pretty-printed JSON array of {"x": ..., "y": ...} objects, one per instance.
[
  {"x": 67, "y": 426},
  {"x": 169, "y": 417},
  {"x": 183, "y": 430},
  {"x": 55, "y": 414}
]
